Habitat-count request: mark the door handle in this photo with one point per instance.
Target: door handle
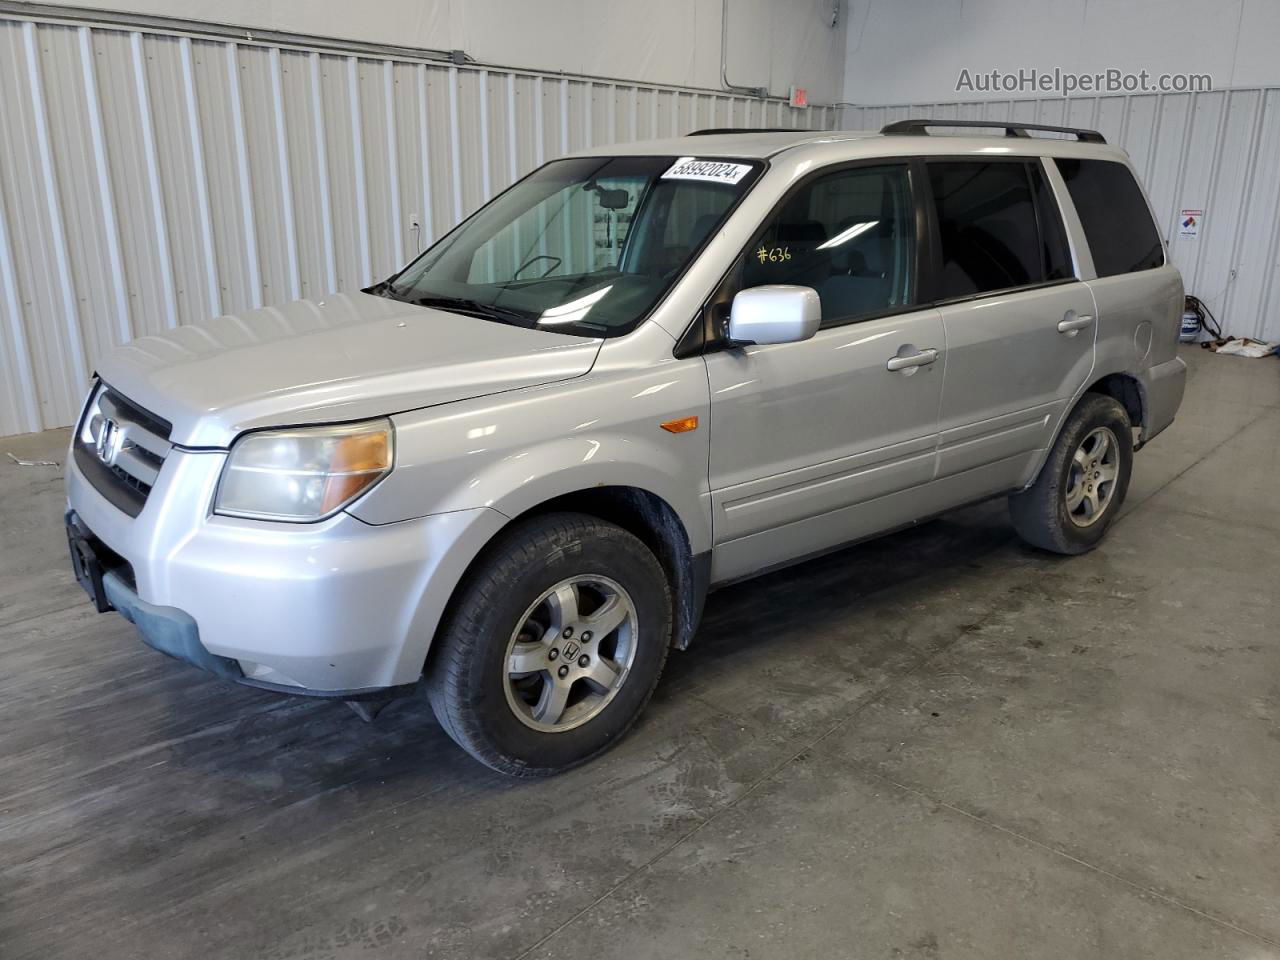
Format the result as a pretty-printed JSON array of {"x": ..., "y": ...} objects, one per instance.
[
  {"x": 921, "y": 359},
  {"x": 1071, "y": 323}
]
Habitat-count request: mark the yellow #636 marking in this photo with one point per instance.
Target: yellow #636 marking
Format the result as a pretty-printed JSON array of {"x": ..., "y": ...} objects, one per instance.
[{"x": 773, "y": 254}]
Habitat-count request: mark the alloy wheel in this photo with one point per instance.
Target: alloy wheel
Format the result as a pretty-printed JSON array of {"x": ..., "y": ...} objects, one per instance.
[
  {"x": 1091, "y": 481},
  {"x": 570, "y": 653}
]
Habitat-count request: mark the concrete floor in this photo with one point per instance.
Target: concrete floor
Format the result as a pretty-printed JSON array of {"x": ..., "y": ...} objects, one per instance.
[{"x": 941, "y": 744}]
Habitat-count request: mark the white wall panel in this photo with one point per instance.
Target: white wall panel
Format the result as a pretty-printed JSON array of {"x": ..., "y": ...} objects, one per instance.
[
  {"x": 773, "y": 43},
  {"x": 914, "y": 50},
  {"x": 1216, "y": 151},
  {"x": 151, "y": 179}
]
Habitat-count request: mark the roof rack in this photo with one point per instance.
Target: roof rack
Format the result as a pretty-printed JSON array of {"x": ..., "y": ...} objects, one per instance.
[
  {"x": 921, "y": 128},
  {"x": 717, "y": 131}
]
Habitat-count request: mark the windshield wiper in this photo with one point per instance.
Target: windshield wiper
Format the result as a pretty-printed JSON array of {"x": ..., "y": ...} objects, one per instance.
[{"x": 474, "y": 308}]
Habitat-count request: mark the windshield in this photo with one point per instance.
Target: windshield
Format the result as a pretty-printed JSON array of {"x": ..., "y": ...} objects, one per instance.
[{"x": 585, "y": 246}]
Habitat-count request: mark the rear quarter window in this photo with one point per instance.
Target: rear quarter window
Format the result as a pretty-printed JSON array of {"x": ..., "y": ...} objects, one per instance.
[{"x": 1116, "y": 219}]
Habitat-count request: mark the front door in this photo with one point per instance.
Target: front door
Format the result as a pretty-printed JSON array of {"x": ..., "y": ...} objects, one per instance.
[{"x": 811, "y": 441}]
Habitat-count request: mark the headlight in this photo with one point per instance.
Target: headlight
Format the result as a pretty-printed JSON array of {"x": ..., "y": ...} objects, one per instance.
[
  {"x": 304, "y": 474},
  {"x": 91, "y": 416}
]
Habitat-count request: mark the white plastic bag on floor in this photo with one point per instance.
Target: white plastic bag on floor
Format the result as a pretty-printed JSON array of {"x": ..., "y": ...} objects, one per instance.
[{"x": 1244, "y": 347}]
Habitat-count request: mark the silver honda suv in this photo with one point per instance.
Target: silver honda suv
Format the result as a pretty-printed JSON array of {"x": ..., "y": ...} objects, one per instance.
[{"x": 512, "y": 471}]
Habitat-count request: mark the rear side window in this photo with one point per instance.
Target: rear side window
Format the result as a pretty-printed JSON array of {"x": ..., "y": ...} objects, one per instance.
[
  {"x": 997, "y": 225},
  {"x": 1116, "y": 220},
  {"x": 1055, "y": 254}
]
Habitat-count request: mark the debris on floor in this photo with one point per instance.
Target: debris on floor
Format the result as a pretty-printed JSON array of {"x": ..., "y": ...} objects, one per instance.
[
  {"x": 32, "y": 463},
  {"x": 1244, "y": 347}
]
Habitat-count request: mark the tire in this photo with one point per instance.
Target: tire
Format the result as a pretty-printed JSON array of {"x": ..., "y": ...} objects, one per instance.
[
  {"x": 557, "y": 571},
  {"x": 1076, "y": 497}
]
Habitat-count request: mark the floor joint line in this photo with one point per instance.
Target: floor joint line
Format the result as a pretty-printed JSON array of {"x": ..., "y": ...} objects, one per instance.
[{"x": 1059, "y": 852}]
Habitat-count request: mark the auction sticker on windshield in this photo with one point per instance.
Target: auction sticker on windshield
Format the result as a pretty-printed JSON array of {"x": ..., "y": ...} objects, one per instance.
[{"x": 714, "y": 171}]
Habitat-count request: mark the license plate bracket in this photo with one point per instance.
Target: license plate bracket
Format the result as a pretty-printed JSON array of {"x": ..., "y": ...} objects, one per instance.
[{"x": 87, "y": 567}]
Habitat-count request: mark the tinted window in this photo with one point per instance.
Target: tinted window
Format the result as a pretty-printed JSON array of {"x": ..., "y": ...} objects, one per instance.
[
  {"x": 987, "y": 224},
  {"x": 849, "y": 235},
  {"x": 1055, "y": 254},
  {"x": 1116, "y": 220}
]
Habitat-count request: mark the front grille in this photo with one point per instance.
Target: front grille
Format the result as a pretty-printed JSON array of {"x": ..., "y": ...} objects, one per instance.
[{"x": 120, "y": 448}]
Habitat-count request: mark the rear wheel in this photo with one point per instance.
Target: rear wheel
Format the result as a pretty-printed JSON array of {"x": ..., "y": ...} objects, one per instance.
[
  {"x": 1083, "y": 482},
  {"x": 553, "y": 647}
]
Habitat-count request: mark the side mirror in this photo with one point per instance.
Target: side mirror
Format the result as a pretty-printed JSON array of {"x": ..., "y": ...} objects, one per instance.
[{"x": 775, "y": 313}]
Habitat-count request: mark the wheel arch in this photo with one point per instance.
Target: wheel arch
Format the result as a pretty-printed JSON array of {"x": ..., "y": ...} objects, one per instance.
[
  {"x": 1123, "y": 387},
  {"x": 643, "y": 513},
  {"x": 1127, "y": 390}
]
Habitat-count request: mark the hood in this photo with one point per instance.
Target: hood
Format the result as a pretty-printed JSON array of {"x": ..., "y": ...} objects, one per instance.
[{"x": 344, "y": 357}]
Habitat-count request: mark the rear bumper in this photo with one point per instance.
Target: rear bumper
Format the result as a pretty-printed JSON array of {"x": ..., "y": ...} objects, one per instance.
[{"x": 1164, "y": 385}]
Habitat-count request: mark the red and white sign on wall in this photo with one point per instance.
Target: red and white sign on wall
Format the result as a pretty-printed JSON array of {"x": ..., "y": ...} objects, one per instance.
[{"x": 799, "y": 97}]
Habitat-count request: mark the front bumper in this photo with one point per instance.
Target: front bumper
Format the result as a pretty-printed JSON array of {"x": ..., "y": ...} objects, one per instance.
[
  {"x": 340, "y": 608},
  {"x": 166, "y": 629}
]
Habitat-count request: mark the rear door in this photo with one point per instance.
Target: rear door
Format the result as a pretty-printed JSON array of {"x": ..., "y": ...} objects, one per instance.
[
  {"x": 813, "y": 443},
  {"x": 1019, "y": 325},
  {"x": 1137, "y": 292}
]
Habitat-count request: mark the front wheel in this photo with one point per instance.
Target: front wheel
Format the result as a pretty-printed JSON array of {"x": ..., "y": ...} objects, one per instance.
[
  {"x": 1083, "y": 482},
  {"x": 553, "y": 646}
]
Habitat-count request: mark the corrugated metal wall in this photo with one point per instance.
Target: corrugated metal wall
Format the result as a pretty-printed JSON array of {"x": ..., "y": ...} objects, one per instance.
[
  {"x": 149, "y": 179},
  {"x": 1218, "y": 152}
]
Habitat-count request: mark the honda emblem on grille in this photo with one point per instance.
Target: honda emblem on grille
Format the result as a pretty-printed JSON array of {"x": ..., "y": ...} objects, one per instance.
[{"x": 109, "y": 441}]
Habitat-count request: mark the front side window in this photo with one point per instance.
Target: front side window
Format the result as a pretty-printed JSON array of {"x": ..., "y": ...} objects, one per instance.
[
  {"x": 585, "y": 246},
  {"x": 997, "y": 227},
  {"x": 849, "y": 235},
  {"x": 1116, "y": 220}
]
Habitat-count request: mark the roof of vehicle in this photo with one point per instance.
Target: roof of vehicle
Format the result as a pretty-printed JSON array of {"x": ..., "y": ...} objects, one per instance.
[
  {"x": 754, "y": 144},
  {"x": 828, "y": 144}
]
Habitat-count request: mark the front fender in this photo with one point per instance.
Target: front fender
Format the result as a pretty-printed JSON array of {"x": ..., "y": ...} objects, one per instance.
[
  {"x": 513, "y": 452},
  {"x": 571, "y": 464}
]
